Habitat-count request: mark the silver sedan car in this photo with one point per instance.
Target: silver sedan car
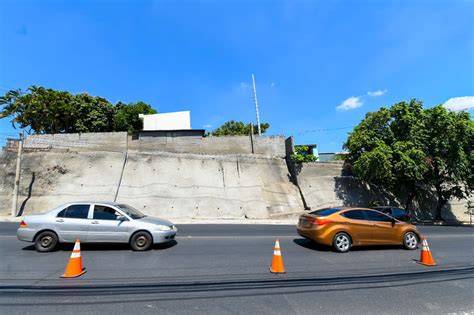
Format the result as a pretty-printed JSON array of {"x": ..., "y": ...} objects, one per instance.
[{"x": 95, "y": 222}]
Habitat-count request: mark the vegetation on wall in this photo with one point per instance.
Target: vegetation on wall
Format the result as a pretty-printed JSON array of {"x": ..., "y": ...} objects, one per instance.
[
  {"x": 238, "y": 128},
  {"x": 302, "y": 155},
  {"x": 43, "y": 110},
  {"x": 407, "y": 149}
]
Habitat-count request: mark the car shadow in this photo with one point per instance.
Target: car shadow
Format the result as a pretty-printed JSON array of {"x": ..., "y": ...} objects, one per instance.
[
  {"x": 324, "y": 248},
  {"x": 103, "y": 247}
]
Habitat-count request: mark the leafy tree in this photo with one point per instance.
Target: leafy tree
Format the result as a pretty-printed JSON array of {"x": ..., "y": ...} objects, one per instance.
[
  {"x": 407, "y": 148},
  {"x": 238, "y": 128},
  {"x": 126, "y": 116},
  {"x": 385, "y": 149},
  {"x": 449, "y": 146},
  {"x": 92, "y": 114},
  {"x": 301, "y": 154},
  {"x": 44, "y": 110}
]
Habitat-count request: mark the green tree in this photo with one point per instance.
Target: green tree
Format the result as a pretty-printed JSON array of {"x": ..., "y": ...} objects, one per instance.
[
  {"x": 49, "y": 111},
  {"x": 301, "y": 154},
  {"x": 385, "y": 149},
  {"x": 238, "y": 128},
  {"x": 126, "y": 116},
  {"x": 448, "y": 141}
]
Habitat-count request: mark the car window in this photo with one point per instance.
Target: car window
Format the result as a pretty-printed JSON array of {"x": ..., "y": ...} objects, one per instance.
[
  {"x": 397, "y": 212},
  {"x": 326, "y": 211},
  {"x": 105, "y": 213},
  {"x": 62, "y": 213},
  {"x": 132, "y": 212},
  {"x": 377, "y": 216},
  {"x": 383, "y": 209},
  {"x": 355, "y": 215},
  {"x": 77, "y": 211}
]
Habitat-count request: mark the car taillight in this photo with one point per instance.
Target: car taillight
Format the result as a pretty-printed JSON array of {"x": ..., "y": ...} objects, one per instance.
[
  {"x": 321, "y": 221},
  {"x": 23, "y": 224}
]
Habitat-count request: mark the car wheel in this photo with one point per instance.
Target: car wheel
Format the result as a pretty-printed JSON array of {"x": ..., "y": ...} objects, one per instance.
[
  {"x": 141, "y": 241},
  {"x": 46, "y": 241},
  {"x": 342, "y": 242},
  {"x": 410, "y": 240}
]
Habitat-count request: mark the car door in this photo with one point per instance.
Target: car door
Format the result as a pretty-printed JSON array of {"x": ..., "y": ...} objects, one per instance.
[
  {"x": 383, "y": 227},
  {"x": 105, "y": 225},
  {"x": 358, "y": 226},
  {"x": 72, "y": 224}
]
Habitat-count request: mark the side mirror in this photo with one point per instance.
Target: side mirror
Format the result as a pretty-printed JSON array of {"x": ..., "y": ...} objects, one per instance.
[
  {"x": 122, "y": 218},
  {"x": 394, "y": 221}
]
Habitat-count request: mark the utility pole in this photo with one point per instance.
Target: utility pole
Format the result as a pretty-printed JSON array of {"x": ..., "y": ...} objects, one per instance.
[
  {"x": 256, "y": 105},
  {"x": 17, "y": 175}
]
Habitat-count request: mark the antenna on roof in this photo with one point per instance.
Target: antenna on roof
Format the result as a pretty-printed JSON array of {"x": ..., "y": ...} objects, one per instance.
[{"x": 256, "y": 105}]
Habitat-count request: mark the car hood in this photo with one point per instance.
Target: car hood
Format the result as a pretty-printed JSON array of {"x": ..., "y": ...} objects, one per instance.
[{"x": 154, "y": 220}]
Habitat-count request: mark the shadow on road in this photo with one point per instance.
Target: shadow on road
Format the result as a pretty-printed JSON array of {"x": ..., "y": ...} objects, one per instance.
[
  {"x": 323, "y": 248},
  {"x": 103, "y": 247}
]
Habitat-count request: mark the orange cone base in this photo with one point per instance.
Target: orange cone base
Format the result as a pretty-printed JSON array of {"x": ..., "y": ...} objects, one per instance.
[
  {"x": 273, "y": 271},
  {"x": 74, "y": 276},
  {"x": 426, "y": 264}
]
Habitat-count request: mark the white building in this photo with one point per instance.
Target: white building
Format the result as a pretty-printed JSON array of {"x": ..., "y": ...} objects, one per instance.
[{"x": 167, "y": 121}]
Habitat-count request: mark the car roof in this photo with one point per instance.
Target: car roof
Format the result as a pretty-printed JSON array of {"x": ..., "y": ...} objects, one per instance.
[{"x": 109, "y": 203}]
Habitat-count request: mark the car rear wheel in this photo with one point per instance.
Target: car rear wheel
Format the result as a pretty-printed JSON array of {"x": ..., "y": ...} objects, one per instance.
[
  {"x": 342, "y": 242},
  {"x": 141, "y": 241},
  {"x": 410, "y": 240},
  {"x": 46, "y": 241}
]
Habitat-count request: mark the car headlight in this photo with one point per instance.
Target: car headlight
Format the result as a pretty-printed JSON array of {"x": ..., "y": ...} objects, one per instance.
[{"x": 163, "y": 227}]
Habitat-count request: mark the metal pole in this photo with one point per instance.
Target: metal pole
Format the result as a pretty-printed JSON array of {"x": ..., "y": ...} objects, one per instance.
[
  {"x": 17, "y": 176},
  {"x": 256, "y": 105}
]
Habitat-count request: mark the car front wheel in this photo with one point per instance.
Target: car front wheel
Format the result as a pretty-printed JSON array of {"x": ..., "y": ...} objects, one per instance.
[
  {"x": 46, "y": 241},
  {"x": 342, "y": 242},
  {"x": 141, "y": 241},
  {"x": 410, "y": 240}
]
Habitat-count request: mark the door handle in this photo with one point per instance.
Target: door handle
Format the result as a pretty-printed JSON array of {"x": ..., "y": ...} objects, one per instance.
[
  {"x": 95, "y": 222},
  {"x": 59, "y": 220}
]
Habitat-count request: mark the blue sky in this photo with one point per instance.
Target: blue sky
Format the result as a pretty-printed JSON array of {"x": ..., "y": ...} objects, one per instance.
[{"x": 319, "y": 65}]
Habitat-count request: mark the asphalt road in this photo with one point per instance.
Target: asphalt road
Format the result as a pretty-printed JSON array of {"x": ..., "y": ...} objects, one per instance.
[{"x": 223, "y": 269}]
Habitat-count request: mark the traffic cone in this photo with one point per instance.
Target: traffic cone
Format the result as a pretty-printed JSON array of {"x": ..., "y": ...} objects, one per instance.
[
  {"x": 426, "y": 258},
  {"x": 74, "y": 267},
  {"x": 277, "y": 263}
]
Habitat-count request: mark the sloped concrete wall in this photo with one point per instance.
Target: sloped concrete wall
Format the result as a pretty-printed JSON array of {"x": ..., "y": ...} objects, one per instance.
[
  {"x": 323, "y": 185},
  {"x": 196, "y": 186},
  {"x": 164, "y": 184}
]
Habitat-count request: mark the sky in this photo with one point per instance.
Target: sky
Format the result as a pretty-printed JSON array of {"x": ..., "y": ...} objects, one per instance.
[{"x": 320, "y": 66}]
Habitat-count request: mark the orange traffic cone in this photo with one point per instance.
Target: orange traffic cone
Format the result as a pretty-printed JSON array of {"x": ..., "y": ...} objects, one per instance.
[
  {"x": 277, "y": 263},
  {"x": 426, "y": 258},
  {"x": 74, "y": 267}
]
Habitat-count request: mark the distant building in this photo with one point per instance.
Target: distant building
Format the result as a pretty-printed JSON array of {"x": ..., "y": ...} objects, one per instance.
[
  {"x": 168, "y": 127},
  {"x": 166, "y": 121}
]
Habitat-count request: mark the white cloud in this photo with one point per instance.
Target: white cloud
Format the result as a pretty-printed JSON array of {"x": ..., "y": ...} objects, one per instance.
[
  {"x": 350, "y": 103},
  {"x": 460, "y": 103},
  {"x": 244, "y": 86},
  {"x": 207, "y": 126},
  {"x": 376, "y": 93}
]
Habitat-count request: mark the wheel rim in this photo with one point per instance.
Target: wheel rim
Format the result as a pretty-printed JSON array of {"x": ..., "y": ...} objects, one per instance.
[
  {"x": 46, "y": 241},
  {"x": 342, "y": 242},
  {"x": 141, "y": 241},
  {"x": 410, "y": 240}
]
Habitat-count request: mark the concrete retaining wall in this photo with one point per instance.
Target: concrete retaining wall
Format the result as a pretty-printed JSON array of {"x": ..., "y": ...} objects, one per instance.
[
  {"x": 175, "y": 143},
  {"x": 164, "y": 184},
  {"x": 323, "y": 185}
]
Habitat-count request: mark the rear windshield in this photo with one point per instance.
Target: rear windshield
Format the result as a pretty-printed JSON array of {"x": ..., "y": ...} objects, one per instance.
[{"x": 326, "y": 211}]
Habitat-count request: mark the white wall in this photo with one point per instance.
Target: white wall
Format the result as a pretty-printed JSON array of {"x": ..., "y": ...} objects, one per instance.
[{"x": 167, "y": 121}]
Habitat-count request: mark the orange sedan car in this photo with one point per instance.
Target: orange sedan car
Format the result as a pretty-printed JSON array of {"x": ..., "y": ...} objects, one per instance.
[{"x": 344, "y": 227}]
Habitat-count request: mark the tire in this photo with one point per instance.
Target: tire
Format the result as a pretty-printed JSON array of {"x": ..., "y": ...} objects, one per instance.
[
  {"x": 46, "y": 241},
  {"x": 141, "y": 241},
  {"x": 342, "y": 242},
  {"x": 410, "y": 241}
]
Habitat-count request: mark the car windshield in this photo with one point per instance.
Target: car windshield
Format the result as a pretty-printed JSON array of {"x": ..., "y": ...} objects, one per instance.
[
  {"x": 131, "y": 212},
  {"x": 326, "y": 211}
]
